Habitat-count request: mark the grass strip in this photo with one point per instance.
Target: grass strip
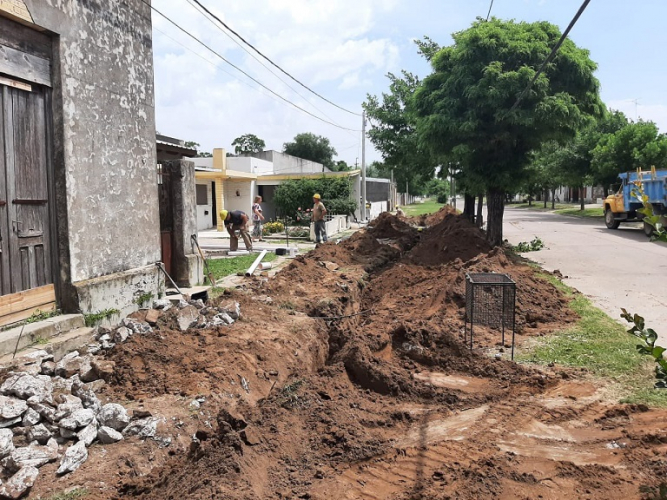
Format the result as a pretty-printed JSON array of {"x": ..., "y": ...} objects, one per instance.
[
  {"x": 596, "y": 212},
  {"x": 429, "y": 206},
  {"x": 227, "y": 266},
  {"x": 601, "y": 345}
]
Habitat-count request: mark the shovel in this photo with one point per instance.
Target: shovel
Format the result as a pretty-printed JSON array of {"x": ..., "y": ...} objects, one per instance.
[{"x": 209, "y": 274}]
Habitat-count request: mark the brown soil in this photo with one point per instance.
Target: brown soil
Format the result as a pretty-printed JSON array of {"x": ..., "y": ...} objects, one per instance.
[{"x": 359, "y": 386}]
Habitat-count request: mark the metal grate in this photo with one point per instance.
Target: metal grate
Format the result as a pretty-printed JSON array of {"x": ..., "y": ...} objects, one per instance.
[{"x": 490, "y": 301}]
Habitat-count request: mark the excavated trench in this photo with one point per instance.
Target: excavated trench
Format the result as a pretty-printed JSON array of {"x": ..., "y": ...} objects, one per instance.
[{"x": 360, "y": 386}]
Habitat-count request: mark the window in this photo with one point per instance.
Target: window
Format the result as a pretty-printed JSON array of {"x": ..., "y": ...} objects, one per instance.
[{"x": 202, "y": 194}]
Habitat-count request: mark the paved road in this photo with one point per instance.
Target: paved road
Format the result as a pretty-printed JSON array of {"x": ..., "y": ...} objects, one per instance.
[{"x": 615, "y": 269}]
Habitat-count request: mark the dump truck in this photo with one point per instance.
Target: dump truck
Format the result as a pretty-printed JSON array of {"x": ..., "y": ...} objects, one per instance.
[{"x": 623, "y": 205}]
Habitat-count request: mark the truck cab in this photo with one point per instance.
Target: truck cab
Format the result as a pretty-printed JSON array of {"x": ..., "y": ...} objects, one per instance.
[{"x": 623, "y": 205}]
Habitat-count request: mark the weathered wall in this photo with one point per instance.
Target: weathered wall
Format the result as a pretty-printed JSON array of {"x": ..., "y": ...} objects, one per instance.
[{"x": 104, "y": 128}]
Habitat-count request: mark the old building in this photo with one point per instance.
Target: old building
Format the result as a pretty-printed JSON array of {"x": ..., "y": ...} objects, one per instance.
[{"x": 79, "y": 224}]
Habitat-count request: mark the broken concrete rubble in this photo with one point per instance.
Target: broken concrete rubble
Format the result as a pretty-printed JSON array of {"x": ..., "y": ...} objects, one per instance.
[
  {"x": 187, "y": 317},
  {"x": 162, "y": 304},
  {"x": 74, "y": 456},
  {"x": 31, "y": 456},
  {"x": 12, "y": 407},
  {"x": 113, "y": 415},
  {"x": 25, "y": 386},
  {"x": 107, "y": 435},
  {"x": 140, "y": 327},
  {"x": 6, "y": 442},
  {"x": 19, "y": 484},
  {"x": 88, "y": 434},
  {"x": 39, "y": 433},
  {"x": 121, "y": 334},
  {"x": 143, "y": 428},
  {"x": 69, "y": 365}
]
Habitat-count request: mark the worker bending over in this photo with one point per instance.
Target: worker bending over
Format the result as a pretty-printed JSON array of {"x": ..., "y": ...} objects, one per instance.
[{"x": 234, "y": 221}]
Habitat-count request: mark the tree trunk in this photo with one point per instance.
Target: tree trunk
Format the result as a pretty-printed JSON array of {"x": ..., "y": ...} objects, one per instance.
[
  {"x": 480, "y": 205},
  {"x": 494, "y": 224},
  {"x": 582, "y": 195},
  {"x": 553, "y": 198},
  {"x": 530, "y": 200},
  {"x": 468, "y": 206},
  {"x": 545, "y": 193},
  {"x": 605, "y": 191}
]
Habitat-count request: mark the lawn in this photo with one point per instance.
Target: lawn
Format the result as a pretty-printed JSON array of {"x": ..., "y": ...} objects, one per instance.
[
  {"x": 601, "y": 345},
  {"x": 227, "y": 266},
  {"x": 596, "y": 212},
  {"x": 427, "y": 207}
]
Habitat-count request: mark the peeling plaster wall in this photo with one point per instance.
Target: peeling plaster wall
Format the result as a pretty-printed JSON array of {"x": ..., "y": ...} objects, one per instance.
[{"x": 104, "y": 128}]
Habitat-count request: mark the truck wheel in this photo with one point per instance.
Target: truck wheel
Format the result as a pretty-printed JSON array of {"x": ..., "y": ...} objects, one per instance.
[
  {"x": 648, "y": 229},
  {"x": 609, "y": 220}
]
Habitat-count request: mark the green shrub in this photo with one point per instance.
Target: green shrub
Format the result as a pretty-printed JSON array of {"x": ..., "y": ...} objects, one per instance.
[
  {"x": 296, "y": 195},
  {"x": 273, "y": 227}
]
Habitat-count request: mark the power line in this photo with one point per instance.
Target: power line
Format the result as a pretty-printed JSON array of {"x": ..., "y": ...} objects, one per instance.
[
  {"x": 270, "y": 61},
  {"x": 246, "y": 74},
  {"x": 191, "y": 2},
  {"x": 552, "y": 54},
  {"x": 489, "y": 13}
]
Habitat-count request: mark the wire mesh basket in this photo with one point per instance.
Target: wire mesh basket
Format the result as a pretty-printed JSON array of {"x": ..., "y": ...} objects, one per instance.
[{"x": 490, "y": 301}]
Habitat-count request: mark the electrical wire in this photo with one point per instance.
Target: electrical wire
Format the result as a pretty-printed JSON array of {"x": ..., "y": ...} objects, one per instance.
[
  {"x": 552, "y": 54},
  {"x": 270, "y": 61},
  {"x": 246, "y": 74},
  {"x": 489, "y": 13},
  {"x": 203, "y": 13}
]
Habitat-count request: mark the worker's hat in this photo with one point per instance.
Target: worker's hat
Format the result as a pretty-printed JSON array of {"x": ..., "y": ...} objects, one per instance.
[
  {"x": 317, "y": 196},
  {"x": 223, "y": 214}
]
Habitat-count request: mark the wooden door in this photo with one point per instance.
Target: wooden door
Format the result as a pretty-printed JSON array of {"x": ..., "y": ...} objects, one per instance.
[{"x": 25, "y": 239}]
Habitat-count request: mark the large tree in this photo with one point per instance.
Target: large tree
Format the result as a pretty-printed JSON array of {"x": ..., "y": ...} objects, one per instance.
[
  {"x": 312, "y": 147},
  {"x": 248, "y": 144},
  {"x": 465, "y": 104},
  {"x": 637, "y": 145}
]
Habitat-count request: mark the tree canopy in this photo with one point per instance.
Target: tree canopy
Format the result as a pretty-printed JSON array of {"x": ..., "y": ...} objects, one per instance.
[
  {"x": 248, "y": 144},
  {"x": 312, "y": 147},
  {"x": 463, "y": 107}
]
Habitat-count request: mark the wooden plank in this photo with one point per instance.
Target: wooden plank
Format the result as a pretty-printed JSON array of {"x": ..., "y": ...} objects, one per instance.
[
  {"x": 25, "y": 39},
  {"x": 15, "y": 83},
  {"x": 21, "y": 315},
  {"x": 25, "y": 66},
  {"x": 29, "y": 299}
]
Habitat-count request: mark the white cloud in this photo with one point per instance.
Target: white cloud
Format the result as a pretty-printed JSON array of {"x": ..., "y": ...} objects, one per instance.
[{"x": 330, "y": 46}]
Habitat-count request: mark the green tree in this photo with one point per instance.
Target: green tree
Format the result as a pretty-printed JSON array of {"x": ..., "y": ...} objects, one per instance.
[
  {"x": 341, "y": 166},
  {"x": 295, "y": 194},
  {"x": 637, "y": 145},
  {"x": 464, "y": 105},
  {"x": 248, "y": 144},
  {"x": 378, "y": 170},
  {"x": 312, "y": 147}
]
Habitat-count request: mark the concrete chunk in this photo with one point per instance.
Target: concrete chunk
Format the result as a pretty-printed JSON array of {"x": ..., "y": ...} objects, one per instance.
[
  {"x": 140, "y": 327},
  {"x": 12, "y": 407},
  {"x": 113, "y": 415},
  {"x": 30, "y": 417},
  {"x": 121, "y": 334},
  {"x": 73, "y": 458},
  {"x": 6, "y": 442},
  {"x": 19, "y": 484},
  {"x": 107, "y": 435},
  {"x": 39, "y": 433},
  {"x": 79, "y": 418},
  {"x": 187, "y": 317},
  {"x": 24, "y": 386},
  {"x": 69, "y": 365},
  {"x": 30, "y": 456},
  {"x": 144, "y": 428},
  {"x": 88, "y": 434}
]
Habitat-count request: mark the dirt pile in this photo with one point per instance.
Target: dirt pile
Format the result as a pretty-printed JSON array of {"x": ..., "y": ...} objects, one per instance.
[
  {"x": 346, "y": 377},
  {"x": 454, "y": 237}
]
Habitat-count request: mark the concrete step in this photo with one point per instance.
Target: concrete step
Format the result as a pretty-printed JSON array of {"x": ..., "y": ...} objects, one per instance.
[
  {"x": 38, "y": 334},
  {"x": 77, "y": 339}
]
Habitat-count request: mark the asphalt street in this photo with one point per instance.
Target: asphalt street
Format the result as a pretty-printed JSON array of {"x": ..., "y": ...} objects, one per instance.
[{"x": 614, "y": 268}]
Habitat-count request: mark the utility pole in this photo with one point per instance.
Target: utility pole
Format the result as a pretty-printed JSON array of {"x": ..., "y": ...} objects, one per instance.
[{"x": 363, "y": 165}]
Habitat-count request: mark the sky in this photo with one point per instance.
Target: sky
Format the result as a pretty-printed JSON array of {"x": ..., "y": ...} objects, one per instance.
[{"x": 343, "y": 50}]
